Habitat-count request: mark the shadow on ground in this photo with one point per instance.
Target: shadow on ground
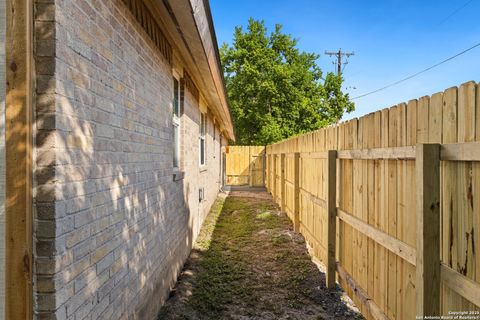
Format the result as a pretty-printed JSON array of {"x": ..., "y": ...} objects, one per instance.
[{"x": 249, "y": 264}]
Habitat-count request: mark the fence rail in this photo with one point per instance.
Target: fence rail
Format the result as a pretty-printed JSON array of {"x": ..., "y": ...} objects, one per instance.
[{"x": 397, "y": 218}]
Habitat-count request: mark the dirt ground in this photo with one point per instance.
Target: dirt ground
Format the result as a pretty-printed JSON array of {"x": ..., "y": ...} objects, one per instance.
[{"x": 249, "y": 264}]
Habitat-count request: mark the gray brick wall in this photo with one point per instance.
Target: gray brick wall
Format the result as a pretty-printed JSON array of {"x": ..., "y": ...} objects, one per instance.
[
  {"x": 112, "y": 228},
  {"x": 195, "y": 176}
]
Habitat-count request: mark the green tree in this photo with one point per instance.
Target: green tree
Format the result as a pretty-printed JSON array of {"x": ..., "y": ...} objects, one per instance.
[{"x": 276, "y": 90}]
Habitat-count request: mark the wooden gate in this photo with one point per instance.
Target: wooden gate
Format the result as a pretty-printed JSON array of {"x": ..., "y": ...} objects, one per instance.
[{"x": 245, "y": 165}]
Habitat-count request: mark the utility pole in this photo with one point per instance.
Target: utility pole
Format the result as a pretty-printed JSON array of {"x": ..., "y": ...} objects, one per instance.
[{"x": 339, "y": 56}]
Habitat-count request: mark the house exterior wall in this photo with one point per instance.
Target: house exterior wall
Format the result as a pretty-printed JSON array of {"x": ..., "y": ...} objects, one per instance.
[
  {"x": 195, "y": 176},
  {"x": 112, "y": 227}
]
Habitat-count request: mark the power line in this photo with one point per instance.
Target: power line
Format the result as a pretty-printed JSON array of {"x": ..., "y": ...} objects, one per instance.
[
  {"x": 344, "y": 65},
  {"x": 456, "y": 11},
  {"x": 418, "y": 73}
]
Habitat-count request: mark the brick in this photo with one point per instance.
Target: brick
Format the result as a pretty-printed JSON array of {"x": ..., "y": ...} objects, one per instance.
[
  {"x": 45, "y": 65},
  {"x": 104, "y": 236},
  {"x": 47, "y": 302},
  {"x": 52, "y": 265},
  {"x": 45, "y": 103},
  {"x": 48, "y": 284},
  {"x": 84, "y": 309},
  {"x": 79, "y": 299},
  {"x": 100, "y": 225},
  {"x": 86, "y": 38},
  {"x": 101, "y": 198},
  {"x": 105, "y": 263},
  {"x": 87, "y": 8},
  {"x": 45, "y": 48},
  {"x": 75, "y": 269},
  {"x": 77, "y": 204},
  {"x": 46, "y": 229},
  {"x": 47, "y": 193},
  {"x": 104, "y": 291},
  {"x": 59, "y": 314},
  {"x": 46, "y": 121},
  {"x": 100, "y": 252},
  {"x": 45, "y": 175},
  {"x": 77, "y": 236},
  {"x": 50, "y": 210},
  {"x": 83, "y": 249},
  {"x": 44, "y": 30},
  {"x": 54, "y": 301},
  {"x": 45, "y": 12},
  {"x": 84, "y": 217},
  {"x": 82, "y": 280},
  {"x": 104, "y": 131},
  {"x": 49, "y": 247},
  {"x": 99, "y": 308},
  {"x": 45, "y": 84}
]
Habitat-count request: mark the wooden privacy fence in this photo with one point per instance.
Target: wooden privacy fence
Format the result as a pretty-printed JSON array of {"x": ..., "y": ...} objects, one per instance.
[
  {"x": 245, "y": 165},
  {"x": 390, "y": 203}
]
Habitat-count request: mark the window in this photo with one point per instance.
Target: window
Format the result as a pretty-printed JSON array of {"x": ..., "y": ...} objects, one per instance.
[
  {"x": 203, "y": 130},
  {"x": 176, "y": 123},
  {"x": 214, "y": 141},
  {"x": 220, "y": 161}
]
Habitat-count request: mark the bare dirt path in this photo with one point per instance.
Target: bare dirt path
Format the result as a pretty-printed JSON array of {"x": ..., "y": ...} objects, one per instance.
[{"x": 249, "y": 264}]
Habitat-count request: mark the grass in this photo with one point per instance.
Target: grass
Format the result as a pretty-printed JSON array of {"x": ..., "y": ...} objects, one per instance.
[
  {"x": 247, "y": 261},
  {"x": 223, "y": 267},
  {"x": 205, "y": 235}
]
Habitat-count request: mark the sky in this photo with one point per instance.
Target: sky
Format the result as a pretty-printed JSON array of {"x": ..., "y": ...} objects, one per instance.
[{"x": 392, "y": 39}]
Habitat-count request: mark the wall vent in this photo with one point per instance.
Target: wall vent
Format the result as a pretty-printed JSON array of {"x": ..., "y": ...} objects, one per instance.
[{"x": 145, "y": 18}]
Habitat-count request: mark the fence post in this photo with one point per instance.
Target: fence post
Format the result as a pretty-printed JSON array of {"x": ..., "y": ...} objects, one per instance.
[
  {"x": 282, "y": 182},
  {"x": 332, "y": 217},
  {"x": 266, "y": 167},
  {"x": 428, "y": 230},
  {"x": 274, "y": 177},
  {"x": 270, "y": 173},
  {"x": 296, "y": 210},
  {"x": 250, "y": 167}
]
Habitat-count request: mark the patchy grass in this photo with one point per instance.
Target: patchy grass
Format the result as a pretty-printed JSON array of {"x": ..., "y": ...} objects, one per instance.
[
  {"x": 205, "y": 235},
  {"x": 249, "y": 264}
]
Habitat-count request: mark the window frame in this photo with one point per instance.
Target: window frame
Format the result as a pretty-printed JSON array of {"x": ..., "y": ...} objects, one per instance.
[
  {"x": 214, "y": 139},
  {"x": 176, "y": 121},
  {"x": 202, "y": 140}
]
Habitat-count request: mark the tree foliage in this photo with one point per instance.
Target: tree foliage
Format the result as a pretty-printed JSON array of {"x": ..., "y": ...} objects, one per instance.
[{"x": 276, "y": 90}]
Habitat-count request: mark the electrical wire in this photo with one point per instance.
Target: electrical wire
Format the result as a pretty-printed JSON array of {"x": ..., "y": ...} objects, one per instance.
[
  {"x": 418, "y": 73},
  {"x": 456, "y": 11},
  {"x": 344, "y": 65}
]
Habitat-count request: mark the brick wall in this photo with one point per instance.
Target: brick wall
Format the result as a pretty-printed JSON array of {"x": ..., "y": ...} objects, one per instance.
[
  {"x": 195, "y": 176},
  {"x": 112, "y": 228}
]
